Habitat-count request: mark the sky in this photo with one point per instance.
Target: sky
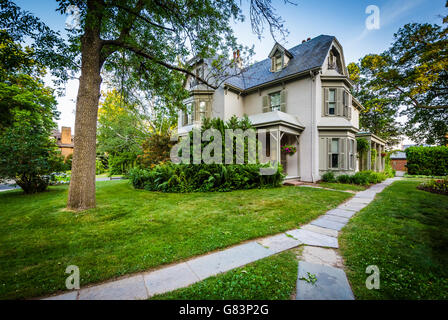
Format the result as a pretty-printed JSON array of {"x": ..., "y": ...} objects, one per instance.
[{"x": 345, "y": 19}]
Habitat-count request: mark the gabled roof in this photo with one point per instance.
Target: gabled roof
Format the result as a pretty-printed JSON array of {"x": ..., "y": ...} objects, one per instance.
[
  {"x": 278, "y": 46},
  {"x": 306, "y": 56},
  {"x": 275, "y": 117}
]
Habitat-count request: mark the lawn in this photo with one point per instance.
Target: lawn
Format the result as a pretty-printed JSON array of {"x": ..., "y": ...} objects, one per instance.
[
  {"x": 342, "y": 186},
  {"x": 134, "y": 230},
  {"x": 272, "y": 278},
  {"x": 404, "y": 231}
]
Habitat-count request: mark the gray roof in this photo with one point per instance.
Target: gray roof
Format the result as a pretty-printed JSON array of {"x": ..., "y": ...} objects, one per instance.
[
  {"x": 398, "y": 155},
  {"x": 306, "y": 56},
  {"x": 272, "y": 117}
]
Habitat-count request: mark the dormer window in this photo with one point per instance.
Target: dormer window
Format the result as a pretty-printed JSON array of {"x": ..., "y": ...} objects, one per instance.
[
  {"x": 334, "y": 60},
  {"x": 279, "y": 58}
]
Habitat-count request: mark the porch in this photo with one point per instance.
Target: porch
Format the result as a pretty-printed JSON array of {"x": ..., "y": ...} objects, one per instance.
[{"x": 373, "y": 160}]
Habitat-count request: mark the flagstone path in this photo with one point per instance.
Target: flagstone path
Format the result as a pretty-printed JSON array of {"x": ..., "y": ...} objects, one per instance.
[{"x": 320, "y": 261}]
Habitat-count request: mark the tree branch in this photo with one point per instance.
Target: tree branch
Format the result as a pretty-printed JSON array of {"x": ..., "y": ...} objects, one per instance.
[{"x": 148, "y": 56}]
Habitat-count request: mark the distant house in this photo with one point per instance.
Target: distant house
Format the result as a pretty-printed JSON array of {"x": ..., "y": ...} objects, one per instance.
[
  {"x": 64, "y": 140},
  {"x": 302, "y": 96},
  {"x": 398, "y": 161}
]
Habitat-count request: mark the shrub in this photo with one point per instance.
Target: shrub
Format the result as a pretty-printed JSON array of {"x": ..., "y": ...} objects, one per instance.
[
  {"x": 431, "y": 161},
  {"x": 99, "y": 167},
  {"x": 344, "y": 178},
  {"x": 169, "y": 177},
  {"x": 328, "y": 177},
  {"x": 435, "y": 186}
]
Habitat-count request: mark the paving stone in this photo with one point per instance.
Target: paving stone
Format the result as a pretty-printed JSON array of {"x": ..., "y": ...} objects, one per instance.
[
  {"x": 331, "y": 284},
  {"x": 352, "y": 206},
  {"x": 360, "y": 200},
  {"x": 335, "y": 218},
  {"x": 228, "y": 259},
  {"x": 132, "y": 288},
  {"x": 279, "y": 243},
  {"x": 313, "y": 238},
  {"x": 341, "y": 213},
  {"x": 325, "y": 223},
  {"x": 169, "y": 279},
  {"x": 328, "y": 257},
  {"x": 369, "y": 194},
  {"x": 325, "y": 231},
  {"x": 65, "y": 296}
]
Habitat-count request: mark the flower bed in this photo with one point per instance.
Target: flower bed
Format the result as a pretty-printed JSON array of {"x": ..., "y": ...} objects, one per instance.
[{"x": 439, "y": 186}]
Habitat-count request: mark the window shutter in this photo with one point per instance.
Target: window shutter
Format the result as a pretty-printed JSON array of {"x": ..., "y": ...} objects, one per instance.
[
  {"x": 329, "y": 153},
  {"x": 325, "y": 108},
  {"x": 266, "y": 104},
  {"x": 283, "y": 100},
  {"x": 209, "y": 109},
  {"x": 322, "y": 154},
  {"x": 195, "y": 111},
  {"x": 344, "y": 103},
  {"x": 349, "y": 104},
  {"x": 184, "y": 118},
  {"x": 339, "y": 105},
  {"x": 342, "y": 153}
]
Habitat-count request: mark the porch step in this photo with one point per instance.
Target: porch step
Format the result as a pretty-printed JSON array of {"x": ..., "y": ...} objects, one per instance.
[{"x": 293, "y": 183}]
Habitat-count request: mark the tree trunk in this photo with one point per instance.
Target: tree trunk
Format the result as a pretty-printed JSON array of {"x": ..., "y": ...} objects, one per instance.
[{"x": 82, "y": 185}]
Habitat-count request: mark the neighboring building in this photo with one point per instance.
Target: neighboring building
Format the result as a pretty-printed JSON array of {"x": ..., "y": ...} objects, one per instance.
[
  {"x": 301, "y": 95},
  {"x": 64, "y": 140},
  {"x": 398, "y": 161}
]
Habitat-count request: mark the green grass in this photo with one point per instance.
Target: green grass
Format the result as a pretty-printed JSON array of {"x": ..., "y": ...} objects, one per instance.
[
  {"x": 405, "y": 233},
  {"x": 342, "y": 186},
  {"x": 272, "y": 278},
  {"x": 134, "y": 230}
]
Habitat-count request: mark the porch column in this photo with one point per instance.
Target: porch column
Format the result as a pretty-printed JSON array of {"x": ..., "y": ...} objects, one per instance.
[{"x": 369, "y": 157}]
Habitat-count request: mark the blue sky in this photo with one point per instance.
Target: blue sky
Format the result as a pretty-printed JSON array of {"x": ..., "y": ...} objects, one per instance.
[{"x": 308, "y": 18}]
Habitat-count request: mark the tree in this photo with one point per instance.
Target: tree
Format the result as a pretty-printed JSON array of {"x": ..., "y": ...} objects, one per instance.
[
  {"x": 379, "y": 115},
  {"x": 413, "y": 72},
  {"x": 157, "y": 37},
  {"x": 121, "y": 131},
  {"x": 27, "y": 153}
]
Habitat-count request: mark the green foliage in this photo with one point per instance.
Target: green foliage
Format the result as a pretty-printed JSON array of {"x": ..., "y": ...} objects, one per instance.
[
  {"x": 359, "y": 178},
  {"x": 431, "y": 161},
  {"x": 328, "y": 177},
  {"x": 99, "y": 167},
  {"x": 404, "y": 232},
  {"x": 169, "y": 177},
  {"x": 373, "y": 155},
  {"x": 362, "y": 145},
  {"x": 27, "y": 153},
  {"x": 122, "y": 163},
  {"x": 435, "y": 186},
  {"x": 411, "y": 73}
]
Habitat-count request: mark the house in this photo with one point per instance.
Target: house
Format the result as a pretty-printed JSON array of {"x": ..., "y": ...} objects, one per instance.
[
  {"x": 398, "y": 161},
  {"x": 64, "y": 140},
  {"x": 300, "y": 95}
]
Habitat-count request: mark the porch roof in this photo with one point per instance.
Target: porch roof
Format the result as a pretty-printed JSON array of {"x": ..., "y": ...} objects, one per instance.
[{"x": 267, "y": 119}]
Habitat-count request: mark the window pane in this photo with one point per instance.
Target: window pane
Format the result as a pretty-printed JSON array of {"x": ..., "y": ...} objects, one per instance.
[
  {"x": 334, "y": 145},
  {"x": 334, "y": 160},
  {"x": 275, "y": 101},
  {"x": 331, "y": 108},
  {"x": 331, "y": 95},
  {"x": 202, "y": 106}
]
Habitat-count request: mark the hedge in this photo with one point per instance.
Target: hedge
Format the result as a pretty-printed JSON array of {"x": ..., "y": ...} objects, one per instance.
[
  {"x": 431, "y": 161},
  {"x": 169, "y": 177},
  {"x": 362, "y": 177}
]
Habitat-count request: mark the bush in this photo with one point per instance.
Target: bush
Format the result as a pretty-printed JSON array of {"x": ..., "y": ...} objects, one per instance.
[
  {"x": 328, "y": 177},
  {"x": 99, "y": 167},
  {"x": 344, "y": 178},
  {"x": 431, "y": 161},
  {"x": 435, "y": 186},
  {"x": 169, "y": 177}
]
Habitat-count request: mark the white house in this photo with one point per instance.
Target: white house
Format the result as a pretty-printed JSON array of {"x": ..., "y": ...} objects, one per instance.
[{"x": 301, "y": 95}]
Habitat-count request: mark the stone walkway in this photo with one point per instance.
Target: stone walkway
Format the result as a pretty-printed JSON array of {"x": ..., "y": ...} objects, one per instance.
[{"x": 319, "y": 259}]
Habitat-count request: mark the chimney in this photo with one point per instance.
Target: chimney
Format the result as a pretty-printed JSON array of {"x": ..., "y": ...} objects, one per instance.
[
  {"x": 237, "y": 59},
  {"x": 303, "y": 41},
  {"x": 308, "y": 39},
  {"x": 66, "y": 135}
]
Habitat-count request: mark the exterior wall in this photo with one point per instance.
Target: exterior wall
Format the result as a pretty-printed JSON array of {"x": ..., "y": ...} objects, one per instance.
[
  {"x": 66, "y": 151},
  {"x": 234, "y": 105},
  {"x": 399, "y": 164}
]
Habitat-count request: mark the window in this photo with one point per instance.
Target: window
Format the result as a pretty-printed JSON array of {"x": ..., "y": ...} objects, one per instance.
[
  {"x": 332, "y": 101},
  {"x": 275, "y": 99},
  {"x": 202, "y": 110},
  {"x": 278, "y": 62},
  {"x": 334, "y": 158},
  {"x": 188, "y": 115}
]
